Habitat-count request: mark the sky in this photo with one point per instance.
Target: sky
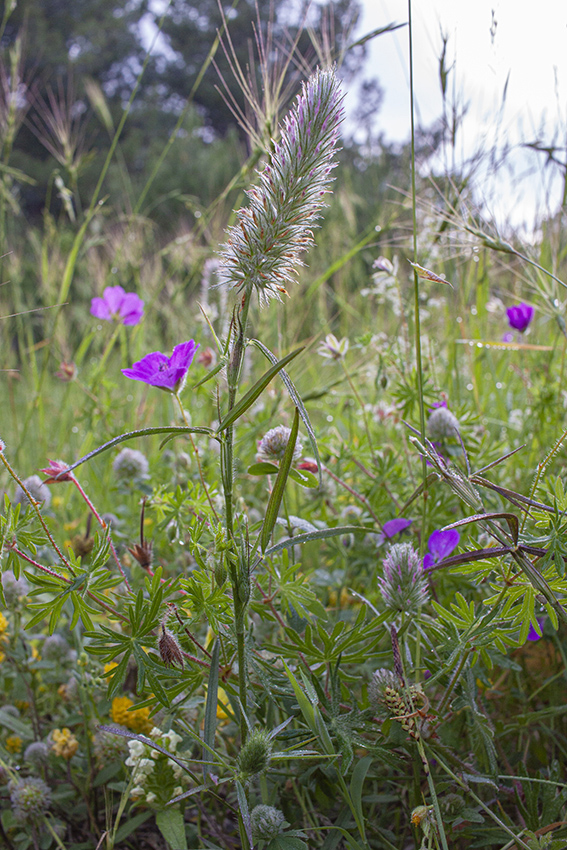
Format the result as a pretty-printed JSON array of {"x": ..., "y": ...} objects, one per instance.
[{"x": 493, "y": 46}]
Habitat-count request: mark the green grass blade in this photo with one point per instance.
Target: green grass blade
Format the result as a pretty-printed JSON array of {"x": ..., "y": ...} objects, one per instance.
[
  {"x": 248, "y": 400},
  {"x": 278, "y": 490},
  {"x": 210, "y": 725}
]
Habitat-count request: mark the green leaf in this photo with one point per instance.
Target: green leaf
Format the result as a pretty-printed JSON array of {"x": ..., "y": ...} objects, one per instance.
[
  {"x": 263, "y": 468},
  {"x": 211, "y": 703},
  {"x": 244, "y": 812},
  {"x": 248, "y": 400},
  {"x": 297, "y": 400},
  {"x": 276, "y": 495},
  {"x": 131, "y": 826},
  {"x": 320, "y": 534},
  {"x": 171, "y": 825},
  {"x": 14, "y": 724},
  {"x": 356, "y": 783},
  {"x": 144, "y": 432},
  {"x": 304, "y": 477}
]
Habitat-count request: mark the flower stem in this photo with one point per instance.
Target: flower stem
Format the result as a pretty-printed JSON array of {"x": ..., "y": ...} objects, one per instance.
[
  {"x": 37, "y": 511},
  {"x": 104, "y": 525},
  {"x": 197, "y": 458},
  {"x": 240, "y": 579}
]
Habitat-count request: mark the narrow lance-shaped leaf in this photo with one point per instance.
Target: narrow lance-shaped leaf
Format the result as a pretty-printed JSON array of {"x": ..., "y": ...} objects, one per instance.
[
  {"x": 277, "y": 493},
  {"x": 131, "y": 435},
  {"x": 248, "y": 400},
  {"x": 320, "y": 534},
  {"x": 211, "y": 704},
  {"x": 297, "y": 400}
]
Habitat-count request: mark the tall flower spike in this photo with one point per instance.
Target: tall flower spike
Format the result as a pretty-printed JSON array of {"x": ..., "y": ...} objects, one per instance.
[{"x": 262, "y": 250}]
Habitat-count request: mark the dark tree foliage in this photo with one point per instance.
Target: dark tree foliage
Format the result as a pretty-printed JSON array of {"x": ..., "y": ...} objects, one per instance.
[
  {"x": 67, "y": 43},
  {"x": 191, "y": 27},
  {"x": 99, "y": 38}
]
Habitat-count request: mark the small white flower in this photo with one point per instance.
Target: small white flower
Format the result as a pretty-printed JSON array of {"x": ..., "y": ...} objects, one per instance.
[
  {"x": 332, "y": 348},
  {"x": 150, "y": 797},
  {"x": 174, "y": 740},
  {"x": 136, "y": 748}
]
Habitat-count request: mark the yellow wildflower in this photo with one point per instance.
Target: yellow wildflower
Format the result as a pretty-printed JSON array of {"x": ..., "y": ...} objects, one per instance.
[
  {"x": 110, "y": 666},
  {"x": 3, "y": 626},
  {"x": 137, "y": 720},
  {"x": 64, "y": 743},
  {"x": 14, "y": 744},
  {"x": 222, "y": 700}
]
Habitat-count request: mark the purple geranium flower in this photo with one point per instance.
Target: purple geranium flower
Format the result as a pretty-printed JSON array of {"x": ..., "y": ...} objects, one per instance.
[
  {"x": 118, "y": 306},
  {"x": 519, "y": 316},
  {"x": 395, "y": 526},
  {"x": 167, "y": 373},
  {"x": 440, "y": 545}
]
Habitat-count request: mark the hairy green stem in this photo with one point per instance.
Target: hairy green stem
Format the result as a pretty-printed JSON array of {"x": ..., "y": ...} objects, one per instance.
[{"x": 240, "y": 600}]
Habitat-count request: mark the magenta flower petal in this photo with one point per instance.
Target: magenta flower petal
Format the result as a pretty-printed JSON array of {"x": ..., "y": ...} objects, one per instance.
[
  {"x": 99, "y": 309},
  {"x": 428, "y": 561},
  {"x": 442, "y": 543},
  {"x": 114, "y": 296},
  {"x": 519, "y": 316},
  {"x": 533, "y": 633},
  {"x": 117, "y": 305},
  {"x": 131, "y": 309},
  {"x": 394, "y": 526},
  {"x": 167, "y": 373}
]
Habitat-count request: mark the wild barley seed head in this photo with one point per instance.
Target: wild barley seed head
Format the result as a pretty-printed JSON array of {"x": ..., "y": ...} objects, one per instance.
[
  {"x": 403, "y": 585},
  {"x": 263, "y": 250}
]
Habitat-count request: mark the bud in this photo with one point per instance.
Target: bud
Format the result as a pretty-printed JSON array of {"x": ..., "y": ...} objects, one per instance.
[
  {"x": 82, "y": 545},
  {"x": 442, "y": 424},
  {"x": 130, "y": 465},
  {"x": 207, "y": 357},
  {"x": 169, "y": 648},
  {"x": 452, "y": 806},
  {"x": 255, "y": 755},
  {"x": 272, "y": 446},
  {"x": 266, "y": 822},
  {"x": 37, "y": 490},
  {"x": 67, "y": 372},
  {"x": 36, "y": 753},
  {"x": 30, "y": 798},
  {"x": 13, "y": 588},
  {"x": 220, "y": 571},
  {"x": 404, "y": 586},
  {"x": 382, "y": 681},
  {"x": 142, "y": 552},
  {"x": 55, "y": 648}
]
